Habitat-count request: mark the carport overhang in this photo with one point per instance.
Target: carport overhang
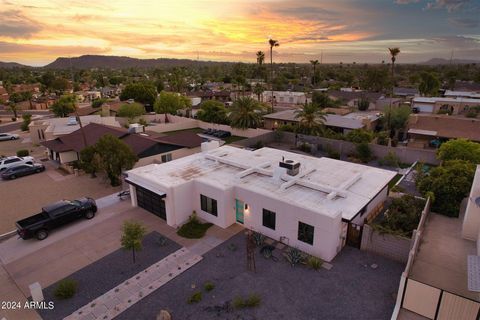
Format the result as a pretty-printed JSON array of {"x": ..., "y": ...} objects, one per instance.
[{"x": 161, "y": 194}]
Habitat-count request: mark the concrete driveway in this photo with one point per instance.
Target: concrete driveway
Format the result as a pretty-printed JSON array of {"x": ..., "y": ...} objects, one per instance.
[{"x": 75, "y": 246}]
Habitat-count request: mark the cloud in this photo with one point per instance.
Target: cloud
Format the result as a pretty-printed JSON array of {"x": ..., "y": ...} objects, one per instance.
[
  {"x": 464, "y": 22},
  {"x": 450, "y": 5},
  {"x": 15, "y": 24},
  {"x": 406, "y": 1}
]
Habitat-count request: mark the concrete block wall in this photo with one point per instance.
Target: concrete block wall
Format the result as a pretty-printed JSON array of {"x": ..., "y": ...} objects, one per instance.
[{"x": 387, "y": 245}]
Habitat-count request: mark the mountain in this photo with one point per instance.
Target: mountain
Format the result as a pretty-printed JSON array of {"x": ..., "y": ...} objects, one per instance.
[
  {"x": 8, "y": 65},
  {"x": 439, "y": 61},
  {"x": 117, "y": 62}
]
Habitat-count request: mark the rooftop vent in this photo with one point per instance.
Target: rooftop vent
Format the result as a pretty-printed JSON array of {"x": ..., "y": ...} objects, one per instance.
[
  {"x": 292, "y": 166},
  {"x": 72, "y": 121}
]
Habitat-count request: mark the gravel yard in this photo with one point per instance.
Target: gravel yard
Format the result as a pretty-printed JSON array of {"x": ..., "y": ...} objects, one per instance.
[
  {"x": 106, "y": 273},
  {"x": 351, "y": 290}
]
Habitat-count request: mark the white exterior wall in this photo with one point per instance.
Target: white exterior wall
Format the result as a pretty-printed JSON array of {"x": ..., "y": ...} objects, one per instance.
[
  {"x": 327, "y": 232},
  {"x": 223, "y": 203},
  {"x": 471, "y": 221},
  {"x": 180, "y": 204},
  {"x": 381, "y": 196},
  {"x": 68, "y": 156}
]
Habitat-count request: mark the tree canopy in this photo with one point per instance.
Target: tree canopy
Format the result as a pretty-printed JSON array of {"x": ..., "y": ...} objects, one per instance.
[
  {"x": 429, "y": 84},
  {"x": 131, "y": 110},
  {"x": 213, "y": 111},
  {"x": 246, "y": 113},
  {"x": 360, "y": 136},
  {"x": 460, "y": 149},
  {"x": 450, "y": 183},
  {"x": 311, "y": 119},
  {"x": 171, "y": 102},
  {"x": 64, "y": 106},
  {"x": 143, "y": 92}
]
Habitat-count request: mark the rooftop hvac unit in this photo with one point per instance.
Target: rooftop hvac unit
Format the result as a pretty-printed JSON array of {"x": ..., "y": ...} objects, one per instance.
[{"x": 292, "y": 166}]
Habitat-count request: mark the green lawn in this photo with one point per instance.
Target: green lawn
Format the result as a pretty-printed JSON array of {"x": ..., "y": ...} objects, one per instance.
[
  {"x": 394, "y": 180},
  {"x": 194, "y": 130},
  {"x": 232, "y": 139}
]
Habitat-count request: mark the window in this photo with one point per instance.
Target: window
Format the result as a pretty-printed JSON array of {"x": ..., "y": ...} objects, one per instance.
[
  {"x": 167, "y": 157},
  {"x": 269, "y": 219},
  {"x": 305, "y": 232},
  {"x": 208, "y": 205},
  {"x": 12, "y": 160}
]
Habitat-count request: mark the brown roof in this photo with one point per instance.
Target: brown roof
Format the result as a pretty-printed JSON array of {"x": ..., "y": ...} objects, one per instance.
[
  {"x": 183, "y": 139},
  {"x": 85, "y": 111},
  {"x": 139, "y": 143},
  {"x": 447, "y": 126}
]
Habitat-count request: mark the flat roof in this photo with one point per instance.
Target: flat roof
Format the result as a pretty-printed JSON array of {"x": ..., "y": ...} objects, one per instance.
[
  {"x": 323, "y": 185},
  {"x": 444, "y": 99}
]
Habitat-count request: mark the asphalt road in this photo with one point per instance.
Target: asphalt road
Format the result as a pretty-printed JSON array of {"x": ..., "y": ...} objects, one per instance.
[{"x": 16, "y": 125}]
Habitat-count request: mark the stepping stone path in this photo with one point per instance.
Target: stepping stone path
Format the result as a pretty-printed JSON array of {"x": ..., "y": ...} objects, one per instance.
[{"x": 123, "y": 296}]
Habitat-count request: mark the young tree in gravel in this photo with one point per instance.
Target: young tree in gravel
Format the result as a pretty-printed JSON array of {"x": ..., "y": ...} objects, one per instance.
[
  {"x": 64, "y": 106},
  {"x": 133, "y": 233},
  {"x": 115, "y": 157}
]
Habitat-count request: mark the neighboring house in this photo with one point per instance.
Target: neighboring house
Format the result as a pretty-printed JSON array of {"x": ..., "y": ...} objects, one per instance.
[
  {"x": 48, "y": 129},
  {"x": 455, "y": 106},
  {"x": 384, "y": 104},
  {"x": 423, "y": 128},
  {"x": 440, "y": 280},
  {"x": 405, "y": 92},
  {"x": 285, "y": 98},
  {"x": 110, "y": 92},
  {"x": 351, "y": 98},
  {"x": 66, "y": 148},
  {"x": 313, "y": 204},
  {"x": 462, "y": 94},
  {"x": 88, "y": 96},
  {"x": 338, "y": 123},
  {"x": 222, "y": 96}
]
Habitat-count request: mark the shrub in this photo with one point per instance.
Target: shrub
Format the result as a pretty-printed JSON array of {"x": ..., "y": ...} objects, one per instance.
[
  {"x": 193, "y": 229},
  {"x": 294, "y": 256},
  {"x": 66, "y": 289},
  {"x": 161, "y": 241},
  {"x": 363, "y": 152},
  {"x": 314, "y": 263},
  {"x": 238, "y": 302},
  {"x": 332, "y": 153},
  {"x": 258, "y": 144},
  {"x": 382, "y": 138},
  {"x": 195, "y": 297},
  {"x": 391, "y": 159},
  {"x": 363, "y": 104},
  {"x": 305, "y": 147},
  {"x": 22, "y": 153},
  {"x": 471, "y": 114},
  {"x": 253, "y": 300},
  {"x": 360, "y": 136},
  {"x": 208, "y": 286},
  {"x": 258, "y": 238}
]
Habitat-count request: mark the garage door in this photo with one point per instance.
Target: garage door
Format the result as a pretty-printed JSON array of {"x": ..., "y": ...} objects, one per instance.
[
  {"x": 424, "y": 108},
  {"x": 151, "y": 201}
]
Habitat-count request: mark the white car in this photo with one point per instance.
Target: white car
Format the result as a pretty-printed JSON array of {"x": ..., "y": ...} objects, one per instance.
[
  {"x": 8, "y": 136},
  {"x": 8, "y": 162}
]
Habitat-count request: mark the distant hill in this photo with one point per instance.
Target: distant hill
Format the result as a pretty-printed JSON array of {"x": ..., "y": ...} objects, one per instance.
[
  {"x": 117, "y": 62},
  {"x": 439, "y": 61},
  {"x": 8, "y": 65}
]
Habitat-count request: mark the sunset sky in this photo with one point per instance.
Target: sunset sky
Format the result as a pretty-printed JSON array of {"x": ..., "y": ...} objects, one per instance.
[{"x": 36, "y": 32}]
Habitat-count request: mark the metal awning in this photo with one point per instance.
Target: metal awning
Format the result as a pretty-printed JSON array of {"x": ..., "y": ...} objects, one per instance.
[
  {"x": 423, "y": 132},
  {"x": 473, "y": 263}
]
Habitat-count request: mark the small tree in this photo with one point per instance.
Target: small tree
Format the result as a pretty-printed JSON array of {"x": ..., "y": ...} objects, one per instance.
[
  {"x": 363, "y": 104},
  {"x": 460, "y": 149},
  {"x": 133, "y": 233},
  {"x": 64, "y": 106},
  {"x": 213, "y": 111},
  {"x": 27, "y": 118},
  {"x": 169, "y": 102},
  {"x": 131, "y": 110},
  {"x": 360, "y": 136},
  {"x": 363, "y": 152},
  {"x": 89, "y": 160},
  {"x": 114, "y": 157}
]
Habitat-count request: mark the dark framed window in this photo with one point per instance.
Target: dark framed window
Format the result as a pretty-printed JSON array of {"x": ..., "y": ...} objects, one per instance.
[
  {"x": 269, "y": 219},
  {"x": 208, "y": 205},
  {"x": 305, "y": 232},
  {"x": 167, "y": 157}
]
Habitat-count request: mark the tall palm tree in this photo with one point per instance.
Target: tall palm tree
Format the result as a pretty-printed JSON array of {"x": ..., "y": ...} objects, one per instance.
[
  {"x": 393, "y": 54},
  {"x": 314, "y": 64},
  {"x": 260, "y": 57},
  {"x": 246, "y": 113},
  {"x": 272, "y": 43},
  {"x": 258, "y": 90},
  {"x": 312, "y": 119}
]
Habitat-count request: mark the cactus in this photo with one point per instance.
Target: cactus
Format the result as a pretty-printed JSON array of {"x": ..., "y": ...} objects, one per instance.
[
  {"x": 294, "y": 256},
  {"x": 258, "y": 238}
]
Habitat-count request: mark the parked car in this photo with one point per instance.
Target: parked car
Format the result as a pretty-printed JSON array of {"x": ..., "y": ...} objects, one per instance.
[
  {"x": 8, "y": 136},
  {"x": 8, "y": 162},
  {"x": 22, "y": 170},
  {"x": 54, "y": 216}
]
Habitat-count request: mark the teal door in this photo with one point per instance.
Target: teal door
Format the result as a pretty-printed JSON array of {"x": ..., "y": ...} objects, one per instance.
[{"x": 240, "y": 207}]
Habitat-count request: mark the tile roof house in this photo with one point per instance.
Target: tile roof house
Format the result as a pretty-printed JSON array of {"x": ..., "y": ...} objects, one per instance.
[{"x": 66, "y": 148}]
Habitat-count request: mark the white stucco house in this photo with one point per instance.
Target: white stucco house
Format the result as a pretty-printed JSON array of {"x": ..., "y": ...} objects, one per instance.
[{"x": 305, "y": 202}]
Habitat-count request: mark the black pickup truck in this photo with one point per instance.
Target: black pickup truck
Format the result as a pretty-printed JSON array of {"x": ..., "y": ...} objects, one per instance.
[{"x": 55, "y": 215}]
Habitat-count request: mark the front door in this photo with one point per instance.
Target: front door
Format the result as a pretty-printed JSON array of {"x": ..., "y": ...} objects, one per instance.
[
  {"x": 354, "y": 235},
  {"x": 240, "y": 207}
]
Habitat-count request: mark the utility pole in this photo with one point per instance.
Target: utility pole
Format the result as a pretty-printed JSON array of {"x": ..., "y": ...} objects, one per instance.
[{"x": 84, "y": 137}]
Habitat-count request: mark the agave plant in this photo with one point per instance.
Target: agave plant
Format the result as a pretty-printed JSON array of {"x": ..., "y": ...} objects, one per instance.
[
  {"x": 294, "y": 256},
  {"x": 258, "y": 238}
]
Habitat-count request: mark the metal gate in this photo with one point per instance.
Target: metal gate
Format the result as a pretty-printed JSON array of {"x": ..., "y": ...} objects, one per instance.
[{"x": 354, "y": 235}]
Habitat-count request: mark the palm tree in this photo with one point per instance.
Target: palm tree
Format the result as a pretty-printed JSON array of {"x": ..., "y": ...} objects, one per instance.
[
  {"x": 260, "y": 57},
  {"x": 314, "y": 64},
  {"x": 393, "y": 53},
  {"x": 312, "y": 119},
  {"x": 273, "y": 43},
  {"x": 246, "y": 113},
  {"x": 258, "y": 90}
]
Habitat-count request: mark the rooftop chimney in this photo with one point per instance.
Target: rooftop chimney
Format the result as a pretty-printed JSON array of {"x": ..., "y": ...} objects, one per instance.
[{"x": 292, "y": 166}]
